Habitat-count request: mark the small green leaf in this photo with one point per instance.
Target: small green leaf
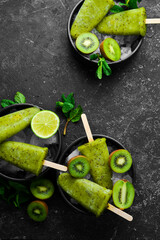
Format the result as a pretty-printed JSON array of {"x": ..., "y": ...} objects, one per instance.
[
  {"x": 2, "y": 190},
  {"x": 106, "y": 68},
  {"x": 70, "y": 99},
  {"x": 116, "y": 9},
  {"x": 132, "y": 4},
  {"x": 19, "y": 98},
  {"x": 99, "y": 71},
  {"x": 18, "y": 186},
  {"x": 67, "y": 107},
  {"x": 59, "y": 104},
  {"x": 6, "y": 103},
  {"x": 63, "y": 98},
  {"x": 75, "y": 114},
  {"x": 93, "y": 56}
]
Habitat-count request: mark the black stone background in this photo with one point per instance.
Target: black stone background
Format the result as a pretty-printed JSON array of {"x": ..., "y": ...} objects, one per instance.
[{"x": 36, "y": 59}]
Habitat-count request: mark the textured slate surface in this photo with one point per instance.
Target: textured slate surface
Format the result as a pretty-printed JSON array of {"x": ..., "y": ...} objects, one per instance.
[{"x": 36, "y": 59}]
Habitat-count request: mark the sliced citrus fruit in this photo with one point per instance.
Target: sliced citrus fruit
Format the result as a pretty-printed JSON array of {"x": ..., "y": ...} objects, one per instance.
[{"x": 45, "y": 124}]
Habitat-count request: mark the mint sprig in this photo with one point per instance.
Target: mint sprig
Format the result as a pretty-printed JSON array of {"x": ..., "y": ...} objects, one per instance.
[
  {"x": 18, "y": 98},
  {"x": 14, "y": 193},
  {"x": 129, "y": 4},
  {"x": 103, "y": 67},
  {"x": 71, "y": 112}
]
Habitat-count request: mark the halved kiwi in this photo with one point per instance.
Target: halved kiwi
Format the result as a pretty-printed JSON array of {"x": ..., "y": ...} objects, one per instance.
[
  {"x": 37, "y": 210},
  {"x": 78, "y": 166},
  {"x": 42, "y": 188},
  {"x": 120, "y": 161},
  {"x": 110, "y": 49},
  {"x": 87, "y": 42},
  {"x": 123, "y": 194}
]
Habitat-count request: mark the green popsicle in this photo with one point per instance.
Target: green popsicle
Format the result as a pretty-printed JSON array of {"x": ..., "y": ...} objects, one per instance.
[
  {"x": 89, "y": 15},
  {"x": 87, "y": 193},
  {"x": 129, "y": 22},
  {"x": 25, "y": 156},
  {"x": 98, "y": 157},
  {"x": 13, "y": 123}
]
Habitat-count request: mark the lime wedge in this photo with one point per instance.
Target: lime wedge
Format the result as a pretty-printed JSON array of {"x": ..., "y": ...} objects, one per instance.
[{"x": 45, "y": 124}]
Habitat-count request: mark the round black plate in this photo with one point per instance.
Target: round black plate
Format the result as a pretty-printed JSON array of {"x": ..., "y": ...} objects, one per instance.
[
  {"x": 129, "y": 44},
  {"x": 14, "y": 173},
  {"x": 72, "y": 151}
]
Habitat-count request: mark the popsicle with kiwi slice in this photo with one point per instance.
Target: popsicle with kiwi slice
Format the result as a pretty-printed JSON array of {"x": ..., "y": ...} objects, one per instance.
[{"x": 90, "y": 139}]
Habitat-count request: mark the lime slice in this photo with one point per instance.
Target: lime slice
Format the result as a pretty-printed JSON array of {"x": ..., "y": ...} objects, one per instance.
[{"x": 45, "y": 124}]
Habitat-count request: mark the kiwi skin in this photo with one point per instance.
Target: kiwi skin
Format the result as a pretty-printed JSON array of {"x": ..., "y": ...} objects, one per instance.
[
  {"x": 105, "y": 53},
  {"x": 73, "y": 172}
]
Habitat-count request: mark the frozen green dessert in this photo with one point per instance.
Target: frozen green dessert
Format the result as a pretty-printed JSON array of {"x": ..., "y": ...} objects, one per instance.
[
  {"x": 89, "y": 15},
  {"x": 15, "y": 122},
  {"x": 129, "y": 22},
  {"x": 98, "y": 157},
  {"x": 90, "y": 195},
  {"x": 25, "y": 156}
]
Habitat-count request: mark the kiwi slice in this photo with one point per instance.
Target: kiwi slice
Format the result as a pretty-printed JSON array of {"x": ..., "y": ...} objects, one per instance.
[
  {"x": 110, "y": 49},
  {"x": 78, "y": 166},
  {"x": 37, "y": 210},
  {"x": 42, "y": 188},
  {"x": 120, "y": 161},
  {"x": 123, "y": 194},
  {"x": 87, "y": 42}
]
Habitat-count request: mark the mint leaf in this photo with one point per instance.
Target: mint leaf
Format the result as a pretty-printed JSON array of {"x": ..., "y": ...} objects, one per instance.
[
  {"x": 106, "y": 68},
  {"x": 6, "y": 103},
  {"x": 132, "y": 4},
  {"x": 93, "y": 56},
  {"x": 67, "y": 107},
  {"x": 116, "y": 9},
  {"x": 19, "y": 98},
  {"x": 75, "y": 114},
  {"x": 69, "y": 98},
  {"x": 59, "y": 104},
  {"x": 99, "y": 70}
]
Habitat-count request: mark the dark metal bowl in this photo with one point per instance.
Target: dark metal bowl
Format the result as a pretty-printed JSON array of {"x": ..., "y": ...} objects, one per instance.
[
  {"x": 112, "y": 145},
  {"x": 14, "y": 173},
  {"x": 134, "y": 41}
]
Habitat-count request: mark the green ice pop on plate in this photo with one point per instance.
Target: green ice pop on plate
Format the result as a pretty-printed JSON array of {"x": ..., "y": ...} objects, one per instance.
[
  {"x": 13, "y": 123},
  {"x": 90, "y": 195},
  {"x": 23, "y": 155},
  {"x": 129, "y": 22},
  {"x": 89, "y": 15}
]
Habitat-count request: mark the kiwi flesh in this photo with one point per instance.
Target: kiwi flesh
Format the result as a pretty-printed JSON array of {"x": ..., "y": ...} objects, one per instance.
[
  {"x": 42, "y": 188},
  {"x": 123, "y": 194},
  {"x": 120, "y": 161},
  {"x": 37, "y": 210},
  {"x": 87, "y": 42},
  {"x": 78, "y": 166},
  {"x": 110, "y": 49}
]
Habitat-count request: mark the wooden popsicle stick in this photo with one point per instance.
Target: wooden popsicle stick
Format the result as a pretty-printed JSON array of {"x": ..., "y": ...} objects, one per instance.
[
  {"x": 90, "y": 139},
  {"x": 55, "y": 166},
  {"x": 153, "y": 21},
  {"x": 119, "y": 212},
  {"x": 87, "y": 128}
]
